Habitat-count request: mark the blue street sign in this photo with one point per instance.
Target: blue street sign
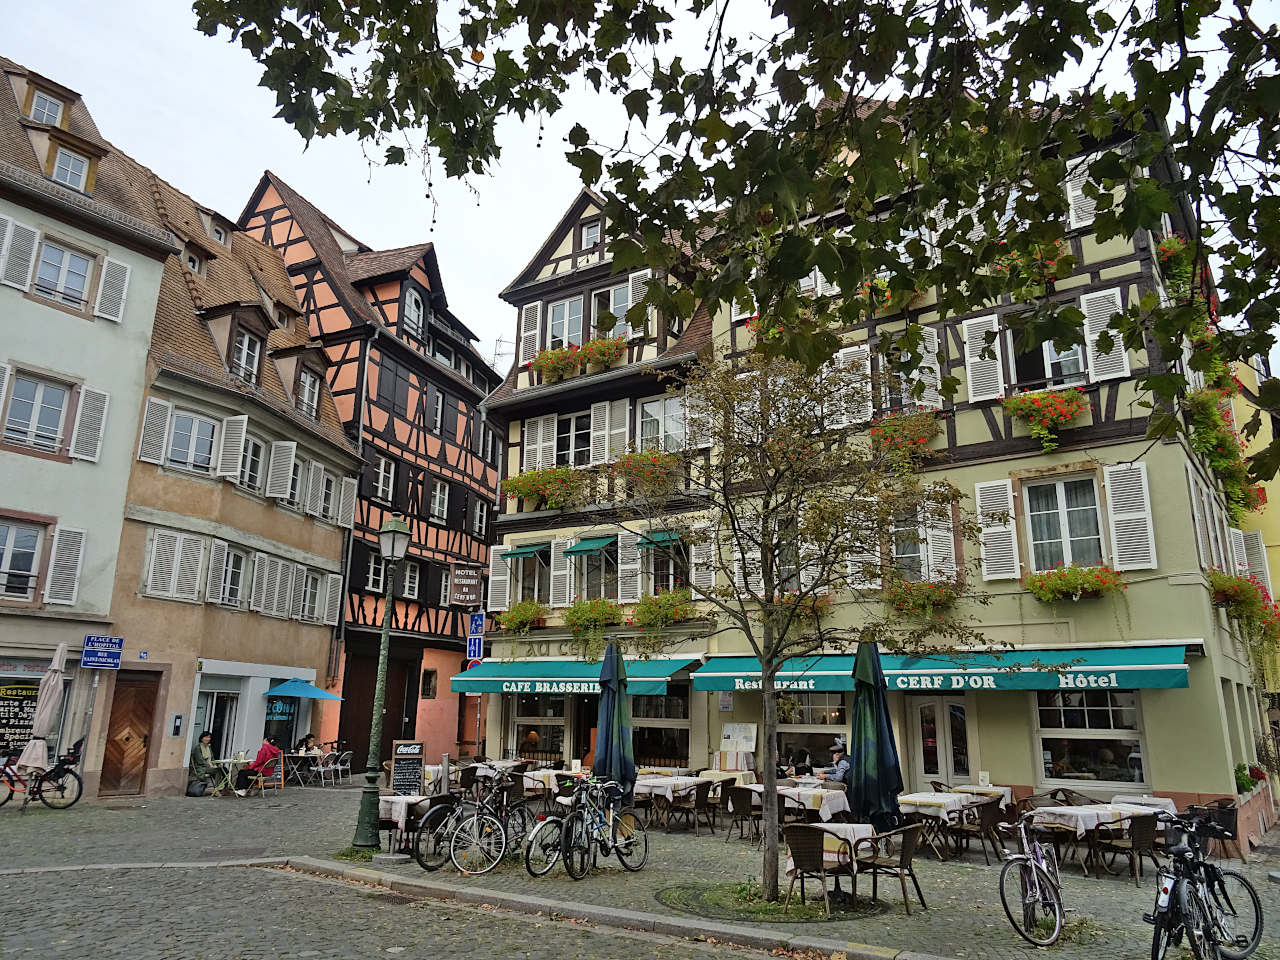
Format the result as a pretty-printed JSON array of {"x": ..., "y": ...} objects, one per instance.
[
  {"x": 102, "y": 653},
  {"x": 475, "y": 648},
  {"x": 476, "y": 628}
]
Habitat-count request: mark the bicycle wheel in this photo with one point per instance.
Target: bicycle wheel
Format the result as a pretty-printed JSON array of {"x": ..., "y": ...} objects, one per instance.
[
  {"x": 478, "y": 845},
  {"x": 1237, "y": 913},
  {"x": 1050, "y": 864},
  {"x": 431, "y": 845},
  {"x": 1162, "y": 937},
  {"x": 1031, "y": 901},
  {"x": 630, "y": 841},
  {"x": 60, "y": 791},
  {"x": 576, "y": 844},
  {"x": 1196, "y": 921},
  {"x": 519, "y": 821},
  {"x": 542, "y": 850}
]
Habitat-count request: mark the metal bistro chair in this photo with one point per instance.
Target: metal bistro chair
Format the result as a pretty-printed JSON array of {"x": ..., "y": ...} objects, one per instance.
[
  {"x": 326, "y": 767},
  {"x": 1071, "y": 798},
  {"x": 693, "y": 805},
  {"x": 741, "y": 806},
  {"x": 342, "y": 766},
  {"x": 878, "y": 858},
  {"x": 805, "y": 843},
  {"x": 1109, "y": 843},
  {"x": 269, "y": 777},
  {"x": 981, "y": 824}
]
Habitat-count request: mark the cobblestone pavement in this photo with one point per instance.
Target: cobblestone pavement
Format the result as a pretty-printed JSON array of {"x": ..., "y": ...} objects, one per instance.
[{"x": 964, "y": 918}]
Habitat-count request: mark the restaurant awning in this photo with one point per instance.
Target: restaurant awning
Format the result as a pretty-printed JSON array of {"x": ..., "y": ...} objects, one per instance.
[
  {"x": 1124, "y": 668},
  {"x": 565, "y": 676},
  {"x": 590, "y": 545},
  {"x": 526, "y": 550},
  {"x": 658, "y": 538}
]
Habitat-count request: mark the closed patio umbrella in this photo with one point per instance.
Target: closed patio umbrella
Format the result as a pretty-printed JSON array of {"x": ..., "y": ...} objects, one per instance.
[
  {"x": 48, "y": 706},
  {"x": 615, "y": 757},
  {"x": 875, "y": 774}
]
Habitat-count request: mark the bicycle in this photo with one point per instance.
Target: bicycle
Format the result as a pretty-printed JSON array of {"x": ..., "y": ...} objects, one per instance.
[
  {"x": 58, "y": 788},
  {"x": 592, "y": 824},
  {"x": 542, "y": 849},
  {"x": 1218, "y": 910},
  {"x": 1039, "y": 914}
]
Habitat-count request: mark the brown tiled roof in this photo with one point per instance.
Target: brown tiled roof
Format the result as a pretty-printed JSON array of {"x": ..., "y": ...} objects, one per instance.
[{"x": 379, "y": 263}]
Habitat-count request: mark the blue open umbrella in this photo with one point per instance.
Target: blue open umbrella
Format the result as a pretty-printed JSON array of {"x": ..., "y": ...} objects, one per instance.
[
  {"x": 300, "y": 688},
  {"x": 615, "y": 757},
  {"x": 875, "y": 774}
]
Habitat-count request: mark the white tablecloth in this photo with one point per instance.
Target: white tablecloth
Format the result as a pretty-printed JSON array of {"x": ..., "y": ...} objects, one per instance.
[
  {"x": 1004, "y": 793},
  {"x": 1155, "y": 803},
  {"x": 668, "y": 787},
  {"x": 1082, "y": 819},
  {"x": 740, "y": 778},
  {"x": 938, "y": 805},
  {"x": 833, "y": 844},
  {"x": 666, "y": 771},
  {"x": 398, "y": 808},
  {"x": 827, "y": 802}
]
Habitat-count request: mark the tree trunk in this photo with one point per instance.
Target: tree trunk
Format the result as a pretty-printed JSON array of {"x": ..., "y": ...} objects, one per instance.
[{"x": 769, "y": 771}]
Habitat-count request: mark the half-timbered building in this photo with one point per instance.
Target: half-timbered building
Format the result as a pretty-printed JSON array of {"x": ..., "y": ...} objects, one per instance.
[{"x": 410, "y": 386}]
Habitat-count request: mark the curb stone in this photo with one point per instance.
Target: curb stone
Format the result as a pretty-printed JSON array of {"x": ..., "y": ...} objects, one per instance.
[{"x": 742, "y": 936}]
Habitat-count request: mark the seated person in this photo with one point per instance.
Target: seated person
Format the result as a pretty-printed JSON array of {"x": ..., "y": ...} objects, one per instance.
[
  {"x": 308, "y": 745},
  {"x": 841, "y": 764},
  {"x": 267, "y": 756},
  {"x": 800, "y": 764},
  {"x": 202, "y": 766}
]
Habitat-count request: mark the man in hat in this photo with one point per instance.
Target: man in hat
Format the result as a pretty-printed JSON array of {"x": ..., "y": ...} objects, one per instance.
[{"x": 840, "y": 763}]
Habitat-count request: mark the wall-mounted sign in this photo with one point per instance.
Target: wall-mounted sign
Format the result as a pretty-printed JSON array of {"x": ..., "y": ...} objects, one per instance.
[
  {"x": 102, "y": 653},
  {"x": 17, "y": 710},
  {"x": 464, "y": 585}
]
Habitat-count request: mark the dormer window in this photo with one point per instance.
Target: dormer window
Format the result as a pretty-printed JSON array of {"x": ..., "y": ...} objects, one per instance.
[
  {"x": 245, "y": 356},
  {"x": 282, "y": 320},
  {"x": 46, "y": 109},
  {"x": 193, "y": 262},
  {"x": 413, "y": 313},
  {"x": 220, "y": 235},
  {"x": 70, "y": 168},
  {"x": 308, "y": 393}
]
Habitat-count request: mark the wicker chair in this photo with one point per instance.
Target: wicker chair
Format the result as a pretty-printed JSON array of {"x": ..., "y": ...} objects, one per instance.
[
  {"x": 940, "y": 787},
  {"x": 1109, "y": 843},
  {"x": 719, "y": 796},
  {"x": 981, "y": 824},
  {"x": 741, "y": 806},
  {"x": 874, "y": 856},
  {"x": 468, "y": 782},
  {"x": 1071, "y": 798},
  {"x": 1225, "y": 814},
  {"x": 558, "y": 801},
  {"x": 806, "y": 846},
  {"x": 691, "y": 806}
]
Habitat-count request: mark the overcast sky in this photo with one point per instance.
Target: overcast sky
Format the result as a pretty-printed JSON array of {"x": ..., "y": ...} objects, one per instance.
[{"x": 189, "y": 107}]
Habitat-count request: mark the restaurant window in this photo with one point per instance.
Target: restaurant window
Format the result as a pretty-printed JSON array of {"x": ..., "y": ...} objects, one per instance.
[
  {"x": 597, "y": 574},
  {"x": 1064, "y": 523},
  {"x": 660, "y": 727},
  {"x": 573, "y": 440},
  {"x": 565, "y": 323},
  {"x": 666, "y": 568},
  {"x": 1088, "y": 736},
  {"x": 808, "y": 723},
  {"x": 428, "y": 684},
  {"x": 539, "y": 726},
  {"x": 533, "y": 577}
]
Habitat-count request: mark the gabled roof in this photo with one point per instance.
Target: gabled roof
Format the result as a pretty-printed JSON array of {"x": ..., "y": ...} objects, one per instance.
[
  {"x": 585, "y": 196},
  {"x": 381, "y": 263}
]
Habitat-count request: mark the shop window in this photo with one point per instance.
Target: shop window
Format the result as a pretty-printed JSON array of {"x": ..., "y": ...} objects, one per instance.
[
  {"x": 282, "y": 718},
  {"x": 539, "y": 726},
  {"x": 661, "y": 746},
  {"x": 428, "y": 684},
  {"x": 573, "y": 440},
  {"x": 1064, "y": 523},
  {"x": 1090, "y": 736},
  {"x": 808, "y": 724}
]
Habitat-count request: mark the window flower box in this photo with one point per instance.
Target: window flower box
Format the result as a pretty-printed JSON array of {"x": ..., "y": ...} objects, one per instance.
[
  {"x": 906, "y": 434},
  {"x": 1045, "y": 412},
  {"x": 558, "y": 363},
  {"x": 554, "y": 488},
  {"x": 809, "y": 608},
  {"x": 662, "y": 610},
  {"x": 523, "y": 616},
  {"x": 604, "y": 351},
  {"x": 1073, "y": 583},
  {"x": 647, "y": 472},
  {"x": 920, "y": 598}
]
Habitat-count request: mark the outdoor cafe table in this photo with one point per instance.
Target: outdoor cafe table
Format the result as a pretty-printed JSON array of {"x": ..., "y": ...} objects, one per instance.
[
  {"x": 231, "y": 766},
  {"x": 1155, "y": 803},
  {"x": 397, "y": 808},
  {"x": 1004, "y": 793},
  {"x": 668, "y": 787},
  {"x": 1081, "y": 822},
  {"x": 838, "y": 834},
  {"x": 827, "y": 802},
  {"x": 936, "y": 808}
]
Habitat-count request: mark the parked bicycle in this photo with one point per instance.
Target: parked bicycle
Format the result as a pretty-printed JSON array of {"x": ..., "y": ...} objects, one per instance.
[
  {"x": 1217, "y": 910},
  {"x": 542, "y": 849},
  {"x": 58, "y": 788},
  {"x": 1030, "y": 887},
  {"x": 597, "y": 823},
  {"x": 474, "y": 835}
]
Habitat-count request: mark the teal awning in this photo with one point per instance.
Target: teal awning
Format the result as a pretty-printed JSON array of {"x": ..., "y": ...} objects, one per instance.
[
  {"x": 658, "y": 538},
  {"x": 526, "y": 550},
  {"x": 590, "y": 545},
  {"x": 565, "y": 676},
  {"x": 1122, "y": 668}
]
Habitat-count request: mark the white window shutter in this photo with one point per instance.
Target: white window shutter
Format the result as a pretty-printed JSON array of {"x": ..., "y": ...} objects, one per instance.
[
  {"x": 164, "y": 560},
  {"x": 1198, "y": 520},
  {"x": 638, "y": 284},
  {"x": 186, "y": 585},
  {"x": 858, "y": 408},
  {"x": 702, "y": 559},
  {"x": 940, "y": 545},
  {"x": 629, "y": 559},
  {"x": 547, "y": 446},
  {"x": 810, "y": 561},
  {"x": 91, "y": 422},
  {"x": 1080, "y": 206},
  {"x": 599, "y": 432},
  {"x": 1239, "y": 556},
  {"x": 259, "y": 589},
  {"x": 619, "y": 428},
  {"x": 5, "y": 369},
  {"x": 499, "y": 579},
  {"x": 1098, "y": 309},
  {"x": 280, "y": 468},
  {"x": 1255, "y": 551},
  {"x": 299, "y": 590},
  {"x": 931, "y": 395},
  {"x": 748, "y": 573},
  {"x": 231, "y": 445},
  {"x": 155, "y": 431},
  {"x": 998, "y": 536},
  {"x": 4, "y": 235},
  {"x": 1214, "y": 525},
  {"x": 113, "y": 288},
  {"x": 532, "y": 444},
  {"x": 315, "y": 489},
  {"x": 530, "y": 327},
  {"x": 217, "y": 561},
  {"x": 350, "y": 490},
  {"x": 984, "y": 375},
  {"x": 1133, "y": 538},
  {"x": 864, "y": 568},
  {"x": 332, "y": 599},
  {"x": 561, "y": 574},
  {"x": 20, "y": 255},
  {"x": 1194, "y": 378},
  {"x": 65, "y": 559},
  {"x": 284, "y": 589}
]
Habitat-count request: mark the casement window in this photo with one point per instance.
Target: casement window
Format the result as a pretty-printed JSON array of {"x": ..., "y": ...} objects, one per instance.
[
  {"x": 923, "y": 545},
  {"x": 246, "y": 355},
  {"x": 413, "y": 314},
  {"x": 411, "y": 577},
  {"x": 220, "y": 235},
  {"x": 37, "y": 412},
  {"x": 480, "y": 519},
  {"x": 564, "y": 323},
  {"x": 614, "y": 301},
  {"x": 488, "y": 443},
  {"x": 590, "y": 235},
  {"x": 438, "y": 509},
  {"x": 309, "y": 393},
  {"x": 193, "y": 261},
  {"x": 63, "y": 274},
  {"x": 384, "y": 480},
  {"x": 573, "y": 440},
  {"x": 666, "y": 568},
  {"x": 313, "y": 596},
  {"x": 1041, "y": 365},
  {"x": 533, "y": 576},
  {"x": 662, "y": 424},
  {"x": 327, "y": 504},
  {"x": 443, "y": 352},
  {"x": 174, "y": 568},
  {"x": 1064, "y": 523},
  {"x": 297, "y": 483},
  {"x": 20, "y": 546},
  {"x": 1089, "y": 735},
  {"x": 377, "y": 575},
  {"x": 46, "y": 109},
  {"x": 70, "y": 168},
  {"x": 597, "y": 575},
  {"x": 231, "y": 589},
  {"x": 437, "y": 413},
  {"x": 191, "y": 441},
  {"x": 428, "y": 688},
  {"x": 251, "y": 464},
  {"x": 908, "y": 548},
  {"x": 444, "y": 587}
]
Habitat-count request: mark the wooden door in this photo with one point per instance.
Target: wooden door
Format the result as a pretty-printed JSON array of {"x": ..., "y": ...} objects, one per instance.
[
  {"x": 400, "y": 706},
  {"x": 124, "y": 760}
]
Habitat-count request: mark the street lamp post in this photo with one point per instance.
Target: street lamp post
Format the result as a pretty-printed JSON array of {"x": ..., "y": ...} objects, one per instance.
[{"x": 393, "y": 542}]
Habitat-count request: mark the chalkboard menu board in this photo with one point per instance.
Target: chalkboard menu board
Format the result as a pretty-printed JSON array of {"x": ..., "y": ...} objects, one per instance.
[
  {"x": 17, "y": 710},
  {"x": 406, "y": 767}
]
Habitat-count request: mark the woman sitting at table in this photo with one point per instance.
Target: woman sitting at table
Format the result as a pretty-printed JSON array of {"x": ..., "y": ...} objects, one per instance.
[
  {"x": 801, "y": 766},
  {"x": 202, "y": 766},
  {"x": 267, "y": 756},
  {"x": 308, "y": 745}
]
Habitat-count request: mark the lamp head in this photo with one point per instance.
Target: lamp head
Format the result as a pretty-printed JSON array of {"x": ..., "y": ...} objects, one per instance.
[{"x": 393, "y": 538}]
